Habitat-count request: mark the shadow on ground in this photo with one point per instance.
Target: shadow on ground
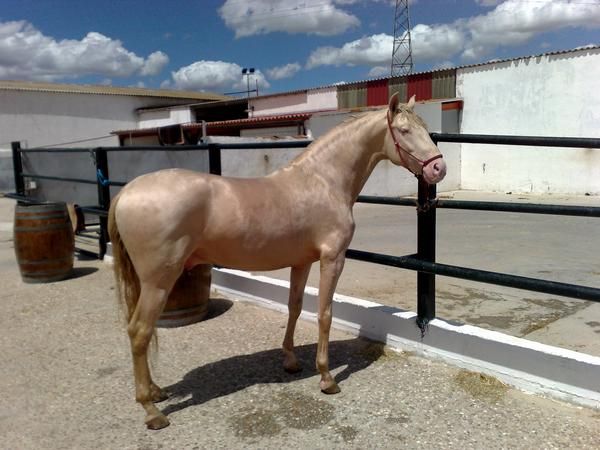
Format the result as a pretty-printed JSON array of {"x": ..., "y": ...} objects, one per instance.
[
  {"x": 233, "y": 374},
  {"x": 79, "y": 272}
]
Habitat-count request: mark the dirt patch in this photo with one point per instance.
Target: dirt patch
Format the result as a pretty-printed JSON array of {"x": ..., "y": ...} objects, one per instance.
[
  {"x": 302, "y": 411},
  {"x": 376, "y": 351},
  {"x": 255, "y": 423},
  {"x": 495, "y": 322},
  {"x": 347, "y": 433},
  {"x": 541, "y": 323},
  {"x": 481, "y": 386},
  {"x": 289, "y": 410},
  {"x": 594, "y": 324}
]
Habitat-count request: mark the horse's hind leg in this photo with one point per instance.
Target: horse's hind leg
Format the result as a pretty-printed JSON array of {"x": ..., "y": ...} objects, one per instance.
[
  {"x": 298, "y": 278},
  {"x": 140, "y": 329}
]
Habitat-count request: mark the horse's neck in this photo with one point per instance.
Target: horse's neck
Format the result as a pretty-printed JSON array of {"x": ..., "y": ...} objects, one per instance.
[{"x": 345, "y": 157}]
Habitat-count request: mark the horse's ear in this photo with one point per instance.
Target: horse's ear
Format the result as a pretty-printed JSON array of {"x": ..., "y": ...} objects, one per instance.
[
  {"x": 394, "y": 103},
  {"x": 411, "y": 102}
]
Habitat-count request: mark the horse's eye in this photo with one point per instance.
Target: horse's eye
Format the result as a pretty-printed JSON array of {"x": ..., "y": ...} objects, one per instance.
[{"x": 404, "y": 130}]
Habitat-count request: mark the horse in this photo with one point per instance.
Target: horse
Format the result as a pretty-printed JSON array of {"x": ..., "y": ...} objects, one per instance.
[{"x": 164, "y": 223}]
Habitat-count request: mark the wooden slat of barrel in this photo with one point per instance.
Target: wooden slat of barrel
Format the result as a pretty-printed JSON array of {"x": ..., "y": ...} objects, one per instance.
[
  {"x": 44, "y": 242},
  {"x": 189, "y": 300}
]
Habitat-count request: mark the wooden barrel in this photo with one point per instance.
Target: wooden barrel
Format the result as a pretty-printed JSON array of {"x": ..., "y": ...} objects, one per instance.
[
  {"x": 44, "y": 242},
  {"x": 189, "y": 299}
]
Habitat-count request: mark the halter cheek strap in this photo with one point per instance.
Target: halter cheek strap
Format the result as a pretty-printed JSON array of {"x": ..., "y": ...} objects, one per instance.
[{"x": 402, "y": 152}]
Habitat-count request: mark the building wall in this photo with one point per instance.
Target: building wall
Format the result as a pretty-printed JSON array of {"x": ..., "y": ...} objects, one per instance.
[
  {"x": 551, "y": 95},
  {"x": 322, "y": 99},
  {"x": 278, "y": 104},
  {"x": 64, "y": 119},
  {"x": 163, "y": 117},
  {"x": 312, "y": 100}
]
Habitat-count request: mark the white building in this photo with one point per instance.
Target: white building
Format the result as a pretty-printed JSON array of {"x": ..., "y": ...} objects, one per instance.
[{"x": 48, "y": 114}]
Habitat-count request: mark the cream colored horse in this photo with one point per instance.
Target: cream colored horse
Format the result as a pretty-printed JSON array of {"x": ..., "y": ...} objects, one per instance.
[{"x": 166, "y": 222}]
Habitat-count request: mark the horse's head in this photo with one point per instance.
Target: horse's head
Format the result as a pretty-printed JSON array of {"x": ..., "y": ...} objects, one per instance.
[{"x": 408, "y": 143}]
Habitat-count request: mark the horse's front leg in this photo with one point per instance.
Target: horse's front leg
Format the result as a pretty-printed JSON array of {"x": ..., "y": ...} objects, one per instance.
[
  {"x": 298, "y": 278},
  {"x": 331, "y": 268}
]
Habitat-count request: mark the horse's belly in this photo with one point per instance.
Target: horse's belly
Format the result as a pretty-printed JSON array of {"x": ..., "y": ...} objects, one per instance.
[{"x": 236, "y": 255}]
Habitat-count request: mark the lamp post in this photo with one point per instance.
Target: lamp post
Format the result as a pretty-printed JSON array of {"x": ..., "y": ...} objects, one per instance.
[{"x": 248, "y": 71}]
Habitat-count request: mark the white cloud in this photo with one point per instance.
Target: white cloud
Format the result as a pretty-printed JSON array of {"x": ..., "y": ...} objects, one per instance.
[
  {"x": 26, "y": 53},
  {"x": 432, "y": 42},
  {"x": 154, "y": 64},
  {"x": 443, "y": 65},
  {"x": 286, "y": 71},
  {"x": 321, "y": 17},
  {"x": 216, "y": 76},
  {"x": 429, "y": 43},
  {"x": 488, "y": 2},
  {"x": 514, "y": 22},
  {"x": 372, "y": 50},
  {"x": 379, "y": 71}
]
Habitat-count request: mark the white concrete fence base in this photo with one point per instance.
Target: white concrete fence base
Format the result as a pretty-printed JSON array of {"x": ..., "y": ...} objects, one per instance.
[{"x": 527, "y": 365}]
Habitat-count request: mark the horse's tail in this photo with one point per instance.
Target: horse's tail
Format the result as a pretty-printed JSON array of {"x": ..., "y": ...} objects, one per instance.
[{"x": 127, "y": 280}]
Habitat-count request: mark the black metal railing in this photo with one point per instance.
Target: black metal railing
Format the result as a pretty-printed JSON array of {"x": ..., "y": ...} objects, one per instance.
[{"x": 426, "y": 203}]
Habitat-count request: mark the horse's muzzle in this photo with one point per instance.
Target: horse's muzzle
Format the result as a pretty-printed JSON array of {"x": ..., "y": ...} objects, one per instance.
[{"x": 435, "y": 171}]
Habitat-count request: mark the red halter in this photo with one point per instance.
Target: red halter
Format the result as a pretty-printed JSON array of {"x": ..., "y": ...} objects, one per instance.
[{"x": 402, "y": 152}]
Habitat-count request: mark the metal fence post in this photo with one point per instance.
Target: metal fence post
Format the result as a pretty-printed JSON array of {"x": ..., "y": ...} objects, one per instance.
[
  {"x": 426, "y": 251},
  {"x": 103, "y": 196},
  {"x": 214, "y": 159},
  {"x": 18, "y": 168}
]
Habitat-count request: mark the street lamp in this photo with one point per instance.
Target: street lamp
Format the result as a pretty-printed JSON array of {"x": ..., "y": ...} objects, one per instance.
[{"x": 248, "y": 71}]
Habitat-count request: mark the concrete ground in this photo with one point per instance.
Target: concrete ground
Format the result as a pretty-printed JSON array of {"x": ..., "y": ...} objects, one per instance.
[{"x": 66, "y": 383}]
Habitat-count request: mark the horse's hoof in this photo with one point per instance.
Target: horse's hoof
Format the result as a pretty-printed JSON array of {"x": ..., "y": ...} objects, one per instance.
[
  {"x": 330, "y": 387},
  {"x": 157, "y": 422},
  {"x": 292, "y": 368},
  {"x": 291, "y": 364}
]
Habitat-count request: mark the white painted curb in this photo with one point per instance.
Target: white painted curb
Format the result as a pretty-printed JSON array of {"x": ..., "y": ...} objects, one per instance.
[{"x": 527, "y": 365}]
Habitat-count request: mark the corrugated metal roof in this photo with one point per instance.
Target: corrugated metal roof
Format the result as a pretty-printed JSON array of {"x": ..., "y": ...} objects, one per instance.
[{"x": 106, "y": 90}]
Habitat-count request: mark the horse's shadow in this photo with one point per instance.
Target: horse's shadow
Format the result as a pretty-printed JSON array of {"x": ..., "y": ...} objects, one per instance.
[{"x": 233, "y": 374}]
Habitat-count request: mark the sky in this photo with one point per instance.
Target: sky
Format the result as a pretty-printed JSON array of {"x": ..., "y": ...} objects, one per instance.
[{"x": 203, "y": 45}]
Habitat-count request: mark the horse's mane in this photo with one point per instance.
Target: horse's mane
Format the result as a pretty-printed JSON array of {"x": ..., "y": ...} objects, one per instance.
[
  {"x": 342, "y": 128},
  {"x": 402, "y": 108}
]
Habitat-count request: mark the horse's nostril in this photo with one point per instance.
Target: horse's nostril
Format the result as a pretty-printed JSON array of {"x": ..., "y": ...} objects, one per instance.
[{"x": 436, "y": 168}]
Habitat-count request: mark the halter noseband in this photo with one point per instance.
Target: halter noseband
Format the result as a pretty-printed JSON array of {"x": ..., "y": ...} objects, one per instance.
[{"x": 402, "y": 152}]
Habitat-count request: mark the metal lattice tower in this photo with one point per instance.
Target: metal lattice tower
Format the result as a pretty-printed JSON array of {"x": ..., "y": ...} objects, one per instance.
[{"x": 402, "y": 63}]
